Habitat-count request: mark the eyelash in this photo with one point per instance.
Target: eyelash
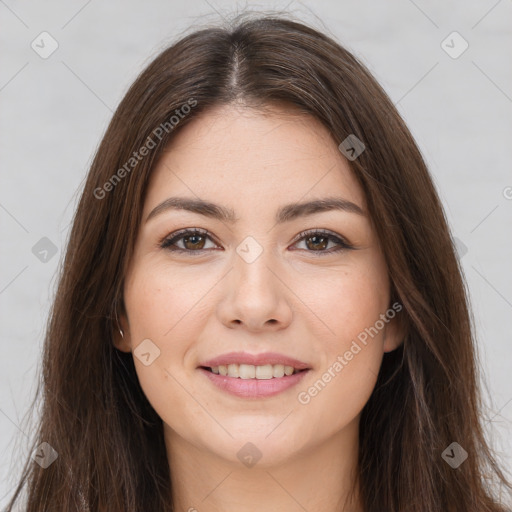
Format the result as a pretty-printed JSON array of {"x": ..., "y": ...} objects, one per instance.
[{"x": 170, "y": 240}]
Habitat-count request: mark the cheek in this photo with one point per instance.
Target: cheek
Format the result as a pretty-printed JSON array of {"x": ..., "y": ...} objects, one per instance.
[
  {"x": 164, "y": 307},
  {"x": 352, "y": 347},
  {"x": 161, "y": 301},
  {"x": 346, "y": 301}
]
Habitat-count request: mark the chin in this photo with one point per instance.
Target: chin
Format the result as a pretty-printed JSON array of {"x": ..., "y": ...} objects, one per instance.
[{"x": 263, "y": 447}]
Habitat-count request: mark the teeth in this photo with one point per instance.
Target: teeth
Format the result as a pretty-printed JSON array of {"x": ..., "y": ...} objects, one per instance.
[
  {"x": 233, "y": 370},
  {"x": 249, "y": 371},
  {"x": 264, "y": 372},
  {"x": 278, "y": 370}
]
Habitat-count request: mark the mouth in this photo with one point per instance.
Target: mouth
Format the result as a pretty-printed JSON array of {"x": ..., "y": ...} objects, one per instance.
[
  {"x": 253, "y": 382},
  {"x": 254, "y": 376},
  {"x": 249, "y": 371}
]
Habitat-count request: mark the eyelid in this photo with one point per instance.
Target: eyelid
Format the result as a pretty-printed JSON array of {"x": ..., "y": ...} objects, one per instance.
[
  {"x": 342, "y": 244},
  {"x": 182, "y": 232},
  {"x": 320, "y": 231}
]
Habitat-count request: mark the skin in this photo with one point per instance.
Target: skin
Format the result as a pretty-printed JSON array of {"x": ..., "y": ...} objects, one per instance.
[{"x": 302, "y": 303}]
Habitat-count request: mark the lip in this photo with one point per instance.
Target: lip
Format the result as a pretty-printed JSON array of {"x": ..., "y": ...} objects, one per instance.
[
  {"x": 256, "y": 360},
  {"x": 254, "y": 388}
]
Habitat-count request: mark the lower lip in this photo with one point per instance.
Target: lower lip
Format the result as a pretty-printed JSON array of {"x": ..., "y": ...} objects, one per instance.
[{"x": 254, "y": 388}]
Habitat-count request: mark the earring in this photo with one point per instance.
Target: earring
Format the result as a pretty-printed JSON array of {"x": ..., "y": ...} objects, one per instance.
[{"x": 117, "y": 322}]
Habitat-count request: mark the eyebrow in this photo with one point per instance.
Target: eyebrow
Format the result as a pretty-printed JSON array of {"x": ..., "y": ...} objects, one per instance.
[{"x": 286, "y": 213}]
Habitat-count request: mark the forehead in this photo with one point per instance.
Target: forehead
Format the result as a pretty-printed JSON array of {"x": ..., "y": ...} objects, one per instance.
[{"x": 241, "y": 156}]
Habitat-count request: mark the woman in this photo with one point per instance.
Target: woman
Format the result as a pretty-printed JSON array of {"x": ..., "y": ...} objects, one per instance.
[{"x": 260, "y": 306}]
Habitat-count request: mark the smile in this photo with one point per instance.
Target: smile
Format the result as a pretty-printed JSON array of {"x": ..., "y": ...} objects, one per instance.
[
  {"x": 249, "y": 371},
  {"x": 254, "y": 387}
]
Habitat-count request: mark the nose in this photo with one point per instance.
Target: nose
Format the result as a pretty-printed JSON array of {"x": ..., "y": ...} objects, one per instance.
[{"x": 254, "y": 296}]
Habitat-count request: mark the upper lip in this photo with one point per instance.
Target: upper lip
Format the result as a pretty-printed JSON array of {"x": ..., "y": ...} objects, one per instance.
[{"x": 255, "y": 359}]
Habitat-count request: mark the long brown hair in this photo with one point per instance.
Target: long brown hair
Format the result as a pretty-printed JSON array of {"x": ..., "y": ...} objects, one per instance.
[{"x": 109, "y": 439}]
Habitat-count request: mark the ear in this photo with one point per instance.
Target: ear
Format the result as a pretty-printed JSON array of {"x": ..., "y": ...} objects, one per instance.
[
  {"x": 395, "y": 330},
  {"x": 122, "y": 341}
]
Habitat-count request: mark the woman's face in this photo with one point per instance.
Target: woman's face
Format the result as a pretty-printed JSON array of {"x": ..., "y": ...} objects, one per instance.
[{"x": 256, "y": 285}]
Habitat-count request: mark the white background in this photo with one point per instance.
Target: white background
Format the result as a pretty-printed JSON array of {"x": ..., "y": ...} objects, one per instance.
[{"x": 54, "y": 112}]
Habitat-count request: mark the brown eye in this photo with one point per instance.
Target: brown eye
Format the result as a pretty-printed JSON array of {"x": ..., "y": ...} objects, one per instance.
[
  {"x": 191, "y": 240},
  {"x": 195, "y": 240},
  {"x": 318, "y": 241}
]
